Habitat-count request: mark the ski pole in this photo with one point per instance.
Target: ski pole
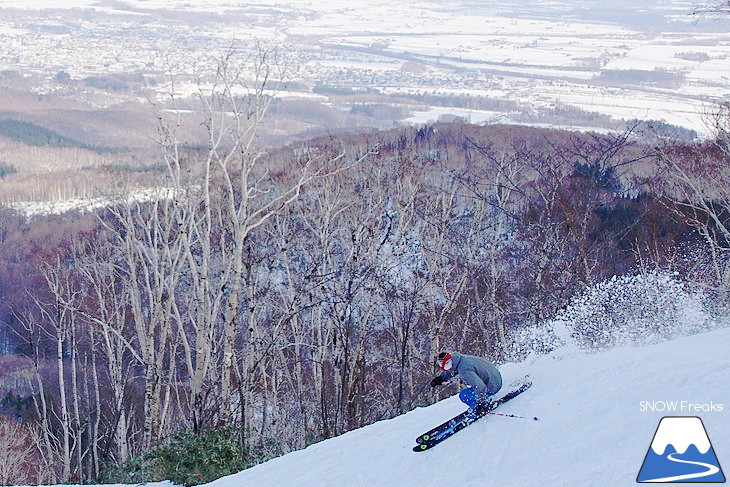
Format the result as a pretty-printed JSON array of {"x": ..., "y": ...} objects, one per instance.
[{"x": 512, "y": 416}]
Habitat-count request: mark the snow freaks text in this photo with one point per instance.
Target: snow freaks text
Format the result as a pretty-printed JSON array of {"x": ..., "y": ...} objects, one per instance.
[{"x": 687, "y": 407}]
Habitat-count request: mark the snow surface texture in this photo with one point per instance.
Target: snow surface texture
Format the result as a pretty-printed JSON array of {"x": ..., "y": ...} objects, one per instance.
[{"x": 596, "y": 424}]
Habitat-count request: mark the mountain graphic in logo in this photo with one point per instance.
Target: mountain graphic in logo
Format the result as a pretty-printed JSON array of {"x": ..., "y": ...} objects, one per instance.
[{"x": 681, "y": 452}]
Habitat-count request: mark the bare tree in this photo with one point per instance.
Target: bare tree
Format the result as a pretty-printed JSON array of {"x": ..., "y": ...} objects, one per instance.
[
  {"x": 107, "y": 314},
  {"x": 17, "y": 454},
  {"x": 696, "y": 181},
  {"x": 53, "y": 324},
  {"x": 236, "y": 196},
  {"x": 186, "y": 259},
  {"x": 60, "y": 315},
  {"x": 495, "y": 192}
]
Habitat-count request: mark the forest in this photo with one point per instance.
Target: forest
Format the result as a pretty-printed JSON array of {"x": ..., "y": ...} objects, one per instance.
[{"x": 271, "y": 298}]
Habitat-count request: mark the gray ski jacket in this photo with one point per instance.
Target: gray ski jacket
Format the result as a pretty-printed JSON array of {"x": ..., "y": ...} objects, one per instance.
[{"x": 476, "y": 372}]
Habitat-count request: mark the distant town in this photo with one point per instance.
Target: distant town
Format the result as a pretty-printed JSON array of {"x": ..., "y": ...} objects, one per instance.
[{"x": 658, "y": 62}]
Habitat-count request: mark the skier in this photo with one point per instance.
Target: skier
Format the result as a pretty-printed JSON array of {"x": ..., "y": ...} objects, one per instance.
[{"x": 482, "y": 377}]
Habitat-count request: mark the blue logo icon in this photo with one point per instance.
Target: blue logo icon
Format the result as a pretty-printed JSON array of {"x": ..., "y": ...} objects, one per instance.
[{"x": 681, "y": 452}]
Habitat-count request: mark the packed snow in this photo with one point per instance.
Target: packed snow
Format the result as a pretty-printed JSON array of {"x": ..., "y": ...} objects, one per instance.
[{"x": 599, "y": 404}]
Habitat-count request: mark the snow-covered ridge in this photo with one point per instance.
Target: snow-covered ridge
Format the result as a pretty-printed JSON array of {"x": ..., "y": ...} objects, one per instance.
[{"x": 37, "y": 208}]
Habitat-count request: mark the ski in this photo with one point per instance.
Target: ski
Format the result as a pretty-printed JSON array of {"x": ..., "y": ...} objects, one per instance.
[{"x": 440, "y": 433}]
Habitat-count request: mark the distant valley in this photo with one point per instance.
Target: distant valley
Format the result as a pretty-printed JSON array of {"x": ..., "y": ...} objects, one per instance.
[{"x": 97, "y": 72}]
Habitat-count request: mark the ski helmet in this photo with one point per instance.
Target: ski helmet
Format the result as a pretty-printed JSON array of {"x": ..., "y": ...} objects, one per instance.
[{"x": 444, "y": 361}]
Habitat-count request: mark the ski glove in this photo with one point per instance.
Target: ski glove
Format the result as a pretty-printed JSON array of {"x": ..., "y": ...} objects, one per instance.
[{"x": 437, "y": 381}]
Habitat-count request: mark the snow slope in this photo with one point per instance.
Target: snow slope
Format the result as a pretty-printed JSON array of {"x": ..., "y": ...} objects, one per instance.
[{"x": 595, "y": 426}]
